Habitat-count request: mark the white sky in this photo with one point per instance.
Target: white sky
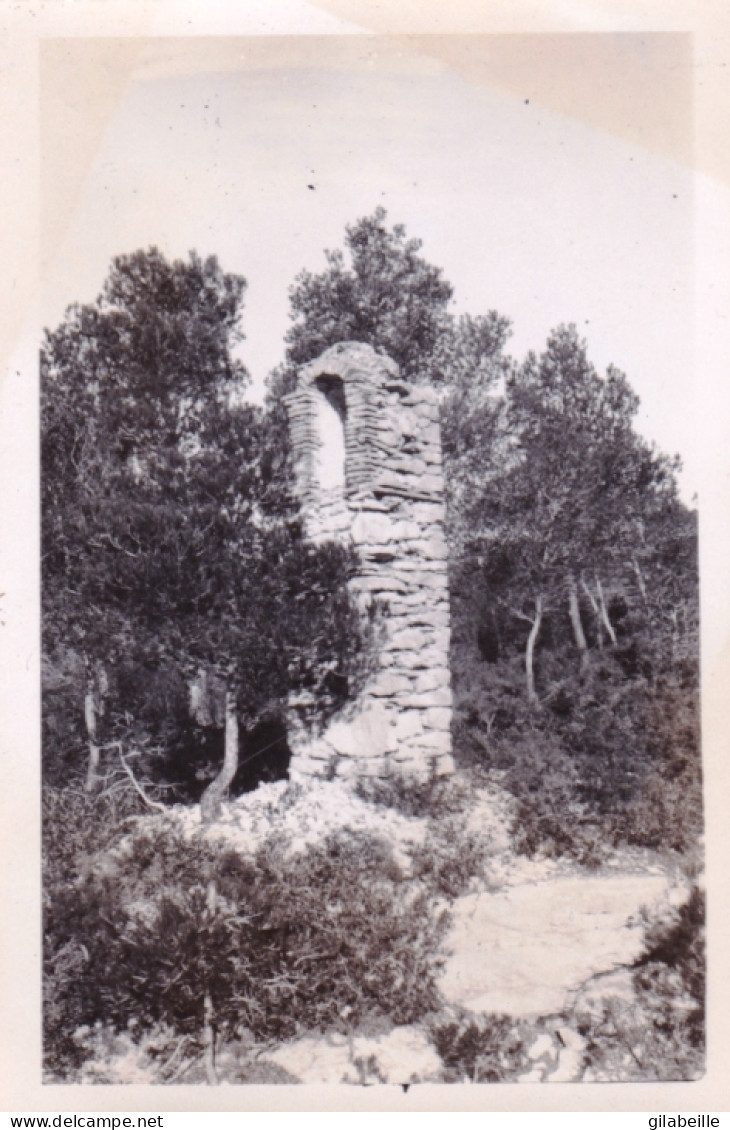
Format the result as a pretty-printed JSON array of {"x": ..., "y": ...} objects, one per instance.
[{"x": 531, "y": 212}]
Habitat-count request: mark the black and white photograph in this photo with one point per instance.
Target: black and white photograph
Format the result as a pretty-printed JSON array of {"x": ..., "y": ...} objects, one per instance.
[{"x": 370, "y": 475}]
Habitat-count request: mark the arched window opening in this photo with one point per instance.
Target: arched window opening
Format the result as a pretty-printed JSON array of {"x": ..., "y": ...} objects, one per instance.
[{"x": 331, "y": 411}]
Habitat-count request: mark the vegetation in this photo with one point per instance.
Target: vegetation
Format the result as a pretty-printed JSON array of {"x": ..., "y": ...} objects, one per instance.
[
  {"x": 276, "y": 945},
  {"x": 388, "y": 297},
  {"x": 170, "y": 542},
  {"x": 490, "y": 1048},
  {"x": 659, "y": 1034},
  {"x": 182, "y": 607},
  {"x": 573, "y": 571}
]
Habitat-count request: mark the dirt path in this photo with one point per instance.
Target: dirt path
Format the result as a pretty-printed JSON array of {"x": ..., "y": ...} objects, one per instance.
[{"x": 524, "y": 950}]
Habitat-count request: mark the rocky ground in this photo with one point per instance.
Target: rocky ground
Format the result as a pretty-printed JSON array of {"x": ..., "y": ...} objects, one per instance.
[
  {"x": 538, "y": 951},
  {"x": 532, "y": 940},
  {"x": 527, "y": 950}
]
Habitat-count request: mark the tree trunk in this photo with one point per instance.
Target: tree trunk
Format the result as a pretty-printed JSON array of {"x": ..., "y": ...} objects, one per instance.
[
  {"x": 640, "y": 581},
  {"x": 596, "y": 612},
  {"x": 208, "y": 1011},
  {"x": 577, "y": 623},
  {"x": 530, "y": 653},
  {"x": 210, "y": 805},
  {"x": 90, "y": 716},
  {"x": 604, "y": 613}
]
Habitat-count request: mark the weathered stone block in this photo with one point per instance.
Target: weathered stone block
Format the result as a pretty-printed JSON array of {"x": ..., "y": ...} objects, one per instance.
[
  {"x": 361, "y": 502},
  {"x": 405, "y": 530},
  {"x": 420, "y": 575},
  {"x": 419, "y": 660},
  {"x": 408, "y": 639},
  {"x": 436, "y": 678},
  {"x": 303, "y": 767},
  {"x": 410, "y": 466},
  {"x": 439, "y": 697},
  {"x": 379, "y": 583},
  {"x": 435, "y": 741},
  {"x": 442, "y": 638},
  {"x": 389, "y": 683},
  {"x": 428, "y": 513},
  {"x": 421, "y": 394},
  {"x": 429, "y": 484},
  {"x": 406, "y": 603},
  {"x": 429, "y": 431},
  {"x": 369, "y": 733},
  {"x": 407, "y": 754},
  {"x": 386, "y": 552},
  {"x": 372, "y": 528},
  {"x": 409, "y": 724},
  {"x": 433, "y": 546},
  {"x": 388, "y": 439},
  {"x": 443, "y": 765},
  {"x": 437, "y": 718},
  {"x": 348, "y": 768},
  {"x": 420, "y": 617}
]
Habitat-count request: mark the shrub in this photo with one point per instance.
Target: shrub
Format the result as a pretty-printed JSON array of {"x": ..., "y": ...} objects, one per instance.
[
  {"x": 434, "y": 798},
  {"x": 680, "y": 945},
  {"x": 76, "y": 830},
  {"x": 483, "y": 1049},
  {"x": 319, "y": 940},
  {"x": 117, "y": 1057},
  {"x": 76, "y": 827},
  {"x": 647, "y": 1038},
  {"x": 667, "y": 815},
  {"x": 450, "y": 858},
  {"x": 660, "y": 1033},
  {"x": 608, "y": 760}
]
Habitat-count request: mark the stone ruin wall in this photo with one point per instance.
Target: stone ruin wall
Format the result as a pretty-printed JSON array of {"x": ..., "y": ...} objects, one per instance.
[{"x": 367, "y": 455}]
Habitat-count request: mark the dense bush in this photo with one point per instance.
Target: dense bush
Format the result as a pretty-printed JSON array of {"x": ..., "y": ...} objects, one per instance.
[
  {"x": 659, "y": 1034},
  {"x": 77, "y": 827},
  {"x": 607, "y": 759},
  {"x": 481, "y": 1049},
  {"x": 286, "y": 944},
  {"x": 680, "y": 945},
  {"x": 451, "y": 856},
  {"x": 435, "y": 798},
  {"x": 76, "y": 830}
]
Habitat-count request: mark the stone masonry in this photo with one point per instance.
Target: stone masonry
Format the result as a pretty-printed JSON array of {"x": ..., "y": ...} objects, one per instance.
[{"x": 367, "y": 456}]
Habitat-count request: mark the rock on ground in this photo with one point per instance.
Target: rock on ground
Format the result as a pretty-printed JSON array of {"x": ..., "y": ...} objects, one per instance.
[
  {"x": 404, "y": 1055},
  {"x": 556, "y": 1056},
  {"x": 298, "y": 815}
]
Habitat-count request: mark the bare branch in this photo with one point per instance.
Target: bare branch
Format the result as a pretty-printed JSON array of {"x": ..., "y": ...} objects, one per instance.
[{"x": 154, "y": 804}]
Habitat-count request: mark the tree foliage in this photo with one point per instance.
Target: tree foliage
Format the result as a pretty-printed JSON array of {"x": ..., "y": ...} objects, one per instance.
[
  {"x": 576, "y": 490},
  {"x": 379, "y": 290},
  {"x": 129, "y": 385},
  {"x": 170, "y": 539},
  {"x": 575, "y": 560}
]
